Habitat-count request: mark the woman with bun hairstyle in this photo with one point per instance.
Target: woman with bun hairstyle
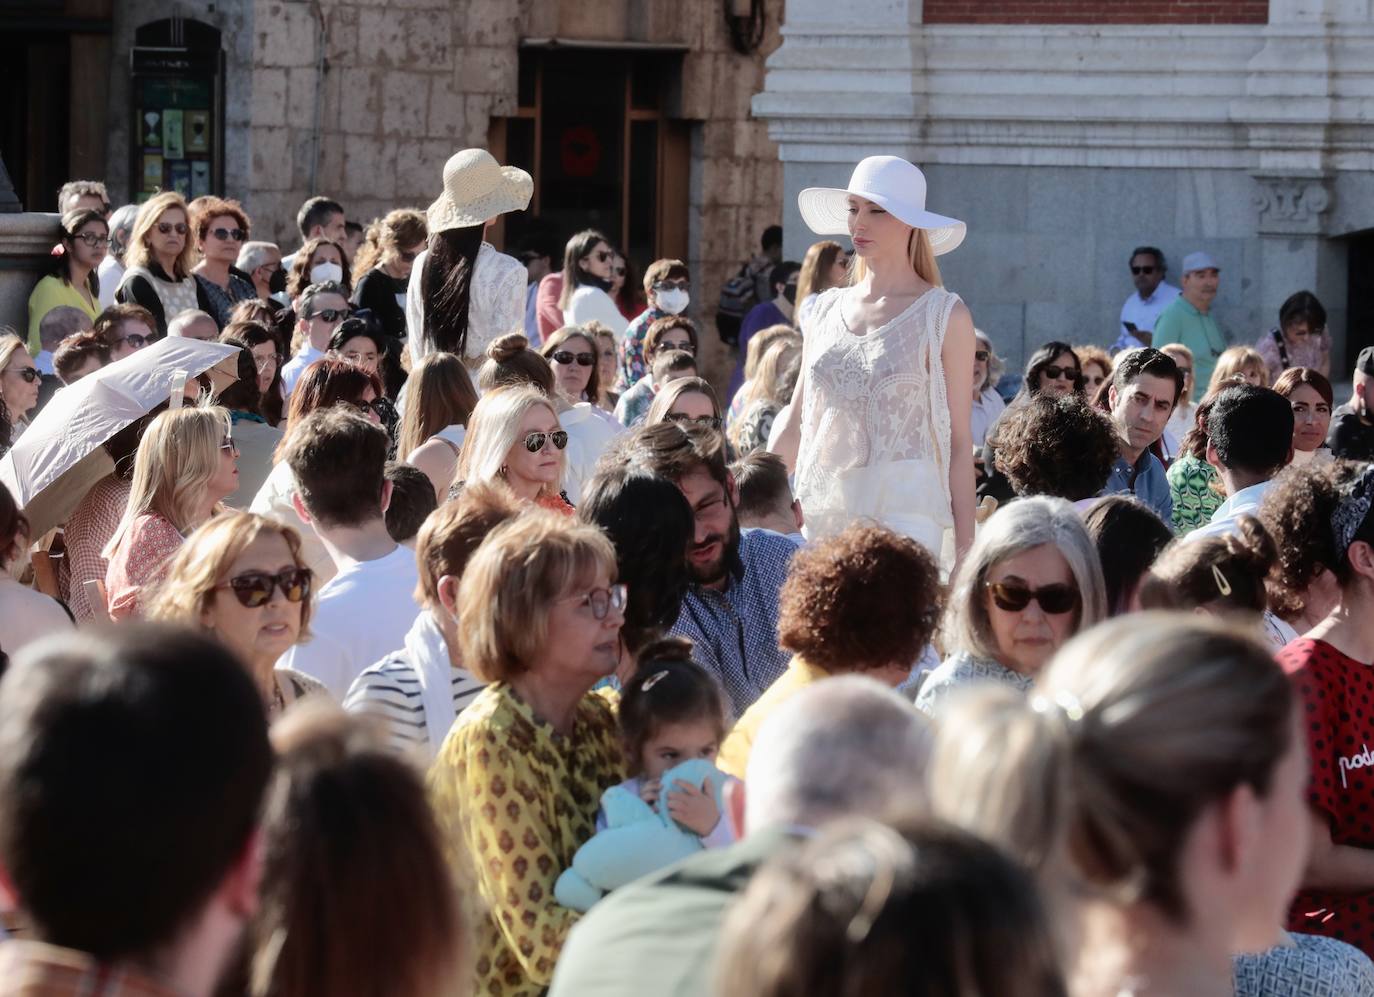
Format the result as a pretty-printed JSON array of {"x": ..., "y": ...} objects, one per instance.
[
  {"x": 511, "y": 361},
  {"x": 1153, "y": 779},
  {"x": 464, "y": 294},
  {"x": 1320, "y": 517}
]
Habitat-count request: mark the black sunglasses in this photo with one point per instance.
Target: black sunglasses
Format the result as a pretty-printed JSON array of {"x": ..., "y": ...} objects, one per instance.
[
  {"x": 1137, "y": 271},
  {"x": 981, "y": 355},
  {"x": 605, "y": 256},
  {"x": 330, "y": 314},
  {"x": 566, "y": 357},
  {"x": 709, "y": 421},
  {"x": 535, "y": 441},
  {"x": 254, "y": 588},
  {"x": 29, "y": 374},
  {"x": 166, "y": 228},
  {"x": 236, "y": 234},
  {"x": 1056, "y": 373},
  {"x": 136, "y": 341},
  {"x": 1013, "y": 597},
  {"x": 365, "y": 407}
]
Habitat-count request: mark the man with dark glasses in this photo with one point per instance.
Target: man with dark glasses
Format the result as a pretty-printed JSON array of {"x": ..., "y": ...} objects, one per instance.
[
  {"x": 321, "y": 309},
  {"x": 1151, "y": 296}
]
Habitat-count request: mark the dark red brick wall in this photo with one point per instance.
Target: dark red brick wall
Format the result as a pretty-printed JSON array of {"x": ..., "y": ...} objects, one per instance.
[{"x": 1096, "y": 11}]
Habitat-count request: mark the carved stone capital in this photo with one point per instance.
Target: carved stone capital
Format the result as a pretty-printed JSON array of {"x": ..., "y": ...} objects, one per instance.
[{"x": 1291, "y": 205}]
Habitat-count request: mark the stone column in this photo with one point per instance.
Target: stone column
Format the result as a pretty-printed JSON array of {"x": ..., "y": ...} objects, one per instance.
[{"x": 26, "y": 240}]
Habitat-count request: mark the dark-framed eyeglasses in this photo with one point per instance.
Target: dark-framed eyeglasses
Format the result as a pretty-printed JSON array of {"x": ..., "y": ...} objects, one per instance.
[
  {"x": 329, "y": 314},
  {"x": 255, "y": 588},
  {"x": 1147, "y": 271},
  {"x": 1057, "y": 373},
  {"x": 29, "y": 374},
  {"x": 167, "y": 228},
  {"x": 982, "y": 355},
  {"x": 229, "y": 234},
  {"x": 687, "y": 346},
  {"x": 374, "y": 406},
  {"x": 566, "y": 357},
  {"x": 534, "y": 442},
  {"x": 602, "y": 601},
  {"x": 709, "y": 421},
  {"x": 1013, "y": 597},
  {"x": 92, "y": 239}
]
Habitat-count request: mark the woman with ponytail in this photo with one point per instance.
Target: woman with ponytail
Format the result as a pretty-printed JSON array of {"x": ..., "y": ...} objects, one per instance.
[
  {"x": 464, "y": 294},
  {"x": 1153, "y": 781},
  {"x": 882, "y": 424}
]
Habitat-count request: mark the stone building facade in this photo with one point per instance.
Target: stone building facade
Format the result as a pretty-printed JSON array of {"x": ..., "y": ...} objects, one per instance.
[{"x": 1068, "y": 131}]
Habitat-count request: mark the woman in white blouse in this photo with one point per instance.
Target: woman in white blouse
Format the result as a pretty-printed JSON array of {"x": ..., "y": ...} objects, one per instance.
[
  {"x": 587, "y": 263},
  {"x": 463, "y": 294}
]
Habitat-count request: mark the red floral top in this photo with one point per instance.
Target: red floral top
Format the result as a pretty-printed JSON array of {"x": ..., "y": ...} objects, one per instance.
[
  {"x": 1337, "y": 694},
  {"x": 140, "y": 562}
]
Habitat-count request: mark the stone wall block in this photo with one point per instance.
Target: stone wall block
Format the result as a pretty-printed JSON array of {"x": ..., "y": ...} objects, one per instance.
[
  {"x": 382, "y": 37},
  {"x": 487, "y": 70},
  {"x": 341, "y": 40},
  {"x": 698, "y": 85},
  {"x": 300, "y": 98},
  {"x": 285, "y": 36},
  {"x": 420, "y": 170},
  {"x": 269, "y": 97},
  {"x": 405, "y": 104},
  {"x": 359, "y": 101},
  {"x": 490, "y": 22},
  {"x": 369, "y": 167},
  {"x": 429, "y": 40},
  {"x": 271, "y": 153},
  {"x": 477, "y": 112},
  {"x": 446, "y": 119}
]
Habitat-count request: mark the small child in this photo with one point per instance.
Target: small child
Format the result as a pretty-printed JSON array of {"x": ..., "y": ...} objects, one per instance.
[{"x": 672, "y": 711}]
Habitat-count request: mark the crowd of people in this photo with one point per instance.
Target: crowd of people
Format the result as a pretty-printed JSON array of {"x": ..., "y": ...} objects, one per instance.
[{"x": 447, "y": 631}]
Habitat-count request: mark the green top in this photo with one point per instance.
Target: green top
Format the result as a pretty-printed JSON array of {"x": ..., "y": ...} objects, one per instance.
[
  {"x": 1191, "y": 485},
  {"x": 1183, "y": 323}
]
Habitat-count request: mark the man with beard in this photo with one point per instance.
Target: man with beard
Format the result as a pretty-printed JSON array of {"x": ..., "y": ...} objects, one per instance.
[
  {"x": 730, "y": 612},
  {"x": 1145, "y": 388}
]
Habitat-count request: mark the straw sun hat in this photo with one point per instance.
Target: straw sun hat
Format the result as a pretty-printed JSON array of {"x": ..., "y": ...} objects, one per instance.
[
  {"x": 893, "y": 184},
  {"x": 476, "y": 188}
]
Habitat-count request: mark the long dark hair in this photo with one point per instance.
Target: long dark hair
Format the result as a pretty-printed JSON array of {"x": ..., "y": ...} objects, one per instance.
[
  {"x": 578, "y": 248},
  {"x": 255, "y": 334},
  {"x": 1042, "y": 358},
  {"x": 243, "y": 395},
  {"x": 447, "y": 286}
]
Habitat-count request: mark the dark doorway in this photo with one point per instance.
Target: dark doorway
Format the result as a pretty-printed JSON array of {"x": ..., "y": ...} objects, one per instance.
[
  {"x": 1359, "y": 328},
  {"x": 34, "y": 139},
  {"x": 593, "y": 128}
]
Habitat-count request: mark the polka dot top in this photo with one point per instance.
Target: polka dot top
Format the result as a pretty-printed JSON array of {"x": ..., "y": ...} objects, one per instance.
[{"x": 1337, "y": 695}]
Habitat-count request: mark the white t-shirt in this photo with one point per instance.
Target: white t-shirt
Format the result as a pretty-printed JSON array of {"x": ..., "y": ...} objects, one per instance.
[
  {"x": 26, "y": 615},
  {"x": 591, "y": 304},
  {"x": 363, "y": 614},
  {"x": 295, "y": 367}
]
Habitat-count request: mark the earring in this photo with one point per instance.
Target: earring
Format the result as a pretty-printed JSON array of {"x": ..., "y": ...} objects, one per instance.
[{"x": 502, "y": 471}]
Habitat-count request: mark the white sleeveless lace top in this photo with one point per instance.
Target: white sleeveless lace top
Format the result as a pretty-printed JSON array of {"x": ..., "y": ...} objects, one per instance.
[{"x": 875, "y": 432}]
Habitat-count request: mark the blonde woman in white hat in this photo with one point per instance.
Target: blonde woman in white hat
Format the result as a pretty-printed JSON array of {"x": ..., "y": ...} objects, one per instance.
[
  {"x": 881, "y": 429},
  {"x": 463, "y": 294}
]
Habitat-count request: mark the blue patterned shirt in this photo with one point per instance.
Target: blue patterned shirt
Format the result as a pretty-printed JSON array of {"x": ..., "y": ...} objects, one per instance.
[
  {"x": 1314, "y": 966},
  {"x": 735, "y": 632}
]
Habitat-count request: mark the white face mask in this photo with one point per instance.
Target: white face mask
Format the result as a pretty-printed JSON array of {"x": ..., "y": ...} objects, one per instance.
[
  {"x": 673, "y": 302},
  {"x": 322, "y": 273}
]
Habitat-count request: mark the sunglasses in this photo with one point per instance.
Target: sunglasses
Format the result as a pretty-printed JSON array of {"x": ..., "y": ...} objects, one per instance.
[
  {"x": 136, "y": 341},
  {"x": 226, "y": 234},
  {"x": 602, "y": 601},
  {"x": 1013, "y": 597},
  {"x": 167, "y": 228},
  {"x": 255, "y": 589},
  {"x": 330, "y": 314},
  {"x": 618, "y": 271},
  {"x": 710, "y": 421},
  {"x": 981, "y": 355},
  {"x": 365, "y": 407},
  {"x": 1137, "y": 271},
  {"x": 93, "y": 240},
  {"x": 29, "y": 374},
  {"x": 566, "y": 357},
  {"x": 228, "y": 444},
  {"x": 604, "y": 256},
  {"x": 535, "y": 441},
  {"x": 1056, "y": 373}
]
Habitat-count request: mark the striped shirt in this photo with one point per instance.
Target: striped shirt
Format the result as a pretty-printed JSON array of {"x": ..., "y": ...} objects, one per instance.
[{"x": 390, "y": 691}]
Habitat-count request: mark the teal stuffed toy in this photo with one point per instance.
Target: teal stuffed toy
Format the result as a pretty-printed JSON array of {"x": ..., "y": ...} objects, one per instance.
[{"x": 637, "y": 840}]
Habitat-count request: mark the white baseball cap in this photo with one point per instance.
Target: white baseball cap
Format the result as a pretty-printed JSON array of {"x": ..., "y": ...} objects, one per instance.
[{"x": 890, "y": 182}]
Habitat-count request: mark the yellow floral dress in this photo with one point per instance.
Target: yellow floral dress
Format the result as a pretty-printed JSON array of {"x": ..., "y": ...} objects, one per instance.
[{"x": 518, "y": 799}]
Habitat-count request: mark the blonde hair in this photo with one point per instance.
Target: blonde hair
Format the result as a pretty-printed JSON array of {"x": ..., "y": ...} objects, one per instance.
[
  {"x": 667, "y": 397},
  {"x": 10, "y": 344},
  {"x": 495, "y": 427},
  {"x": 996, "y": 365},
  {"x": 387, "y": 236},
  {"x": 177, "y": 457},
  {"x": 815, "y": 269},
  {"x": 921, "y": 255},
  {"x": 509, "y": 585},
  {"x": 1237, "y": 360},
  {"x": 1133, "y": 730},
  {"x": 1015, "y": 528},
  {"x": 140, "y": 254},
  {"x": 439, "y": 394},
  {"x": 768, "y": 374},
  {"x": 759, "y": 343},
  {"x": 202, "y": 564}
]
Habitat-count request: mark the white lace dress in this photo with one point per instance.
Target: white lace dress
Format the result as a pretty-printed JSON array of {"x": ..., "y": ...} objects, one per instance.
[
  {"x": 496, "y": 304},
  {"x": 875, "y": 430}
]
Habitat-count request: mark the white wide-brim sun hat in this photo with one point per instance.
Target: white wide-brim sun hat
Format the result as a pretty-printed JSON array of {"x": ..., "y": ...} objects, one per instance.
[
  {"x": 477, "y": 188},
  {"x": 891, "y": 183}
]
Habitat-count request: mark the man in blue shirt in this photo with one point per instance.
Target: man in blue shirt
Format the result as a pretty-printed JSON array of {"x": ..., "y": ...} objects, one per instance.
[
  {"x": 1145, "y": 388},
  {"x": 730, "y": 611}
]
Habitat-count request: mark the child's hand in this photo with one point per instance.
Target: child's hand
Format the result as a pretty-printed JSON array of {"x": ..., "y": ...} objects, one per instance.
[
  {"x": 695, "y": 809},
  {"x": 649, "y": 790}
]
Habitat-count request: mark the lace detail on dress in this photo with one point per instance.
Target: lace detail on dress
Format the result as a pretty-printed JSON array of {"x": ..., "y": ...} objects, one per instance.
[
  {"x": 875, "y": 400},
  {"x": 497, "y": 301}
]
